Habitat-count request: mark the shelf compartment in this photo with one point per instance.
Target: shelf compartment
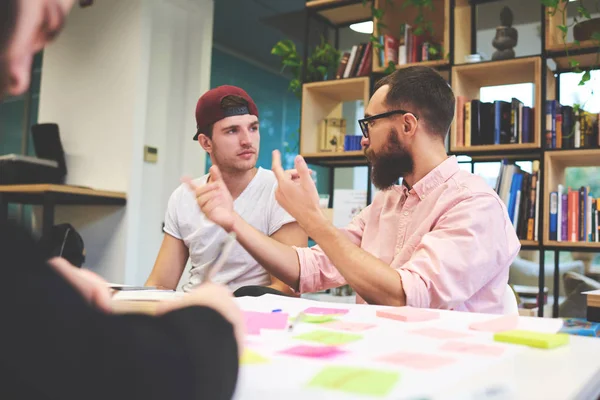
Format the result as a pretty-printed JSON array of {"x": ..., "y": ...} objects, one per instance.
[
  {"x": 468, "y": 79},
  {"x": 341, "y": 12},
  {"x": 325, "y": 99},
  {"x": 340, "y": 159},
  {"x": 556, "y": 162}
]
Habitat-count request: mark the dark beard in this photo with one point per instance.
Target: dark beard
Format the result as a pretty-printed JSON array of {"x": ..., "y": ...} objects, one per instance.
[{"x": 393, "y": 163}]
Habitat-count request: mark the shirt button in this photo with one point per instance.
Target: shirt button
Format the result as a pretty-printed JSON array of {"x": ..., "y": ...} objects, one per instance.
[
  {"x": 406, "y": 212},
  {"x": 422, "y": 197}
]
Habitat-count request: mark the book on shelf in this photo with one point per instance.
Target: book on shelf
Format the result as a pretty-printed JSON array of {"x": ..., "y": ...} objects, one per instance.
[
  {"x": 407, "y": 47},
  {"x": 570, "y": 129},
  {"x": 574, "y": 215},
  {"x": 519, "y": 191},
  {"x": 356, "y": 62},
  {"x": 500, "y": 122}
]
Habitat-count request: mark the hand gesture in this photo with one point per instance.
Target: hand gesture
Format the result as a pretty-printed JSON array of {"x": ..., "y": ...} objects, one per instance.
[
  {"x": 214, "y": 199},
  {"x": 296, "y": 191}
]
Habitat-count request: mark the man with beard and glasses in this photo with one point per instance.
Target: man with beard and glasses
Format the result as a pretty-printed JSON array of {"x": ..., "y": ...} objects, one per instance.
[
  {"x": 228, "y": 130},
  {"x": 441, "y": 239},
  {"x": 60, "y": 339}
]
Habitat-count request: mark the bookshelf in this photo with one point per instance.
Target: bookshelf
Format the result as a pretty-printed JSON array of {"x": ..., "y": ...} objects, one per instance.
[
  {"x": 455, "y": 23},
  {"x": 556, "y": 162},
  {"x": 321, "y": 100},
  {"x": 340, "y": 12}
]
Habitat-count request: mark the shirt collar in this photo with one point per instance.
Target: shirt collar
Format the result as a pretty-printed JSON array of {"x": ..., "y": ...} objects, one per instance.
[{"x": 436, "y": 177}]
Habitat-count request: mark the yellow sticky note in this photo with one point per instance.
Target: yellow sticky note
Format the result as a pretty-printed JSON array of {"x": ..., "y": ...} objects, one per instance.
[
  {"x": 252, "y": 357},
  {"x": 318, "y": 319},
  {"x": 532, "y": 339},
  {"x": 362, "y": 381},
  {"x": 329, "y": 337}
]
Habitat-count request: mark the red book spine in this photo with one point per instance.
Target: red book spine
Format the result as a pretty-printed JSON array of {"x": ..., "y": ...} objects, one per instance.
[{"x": 573, "y": 221}]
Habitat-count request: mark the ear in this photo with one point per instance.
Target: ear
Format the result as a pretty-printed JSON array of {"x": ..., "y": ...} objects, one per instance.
[
  {"x": 409, "y": 124},
  {"x": 205, "y": 142}
]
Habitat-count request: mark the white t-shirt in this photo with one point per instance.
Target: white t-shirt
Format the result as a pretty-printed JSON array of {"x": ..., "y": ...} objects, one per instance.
[{"x": 256, "y": 205}]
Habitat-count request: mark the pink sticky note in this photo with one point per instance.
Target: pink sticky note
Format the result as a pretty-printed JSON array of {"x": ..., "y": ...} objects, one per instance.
[
  {"x": 437, "y": 333},
  {"x": 348, "y": 326},
  {"x": 417, "y": 360},
  {"x": 314, "y": 351},
  {"x": 325, "y": 311},
  {"x": 504, "y": 323},
  {"x": 255, "y": 321},
  {"x": 473, "y": 348},
  {"x": 408, "y": 314}
]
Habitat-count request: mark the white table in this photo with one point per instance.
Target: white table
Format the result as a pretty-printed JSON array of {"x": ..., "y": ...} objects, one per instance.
[{"x": 569, "y": 372}]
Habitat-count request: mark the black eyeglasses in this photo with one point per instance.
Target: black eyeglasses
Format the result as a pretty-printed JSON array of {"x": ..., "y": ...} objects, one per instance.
[{"x": 364, "y": 123}]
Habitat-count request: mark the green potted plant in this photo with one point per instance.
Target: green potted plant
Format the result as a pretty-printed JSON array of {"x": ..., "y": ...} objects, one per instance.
[{"x": 319, "y": 65}]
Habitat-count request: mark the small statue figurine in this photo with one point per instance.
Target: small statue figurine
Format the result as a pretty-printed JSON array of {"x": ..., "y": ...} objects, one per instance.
[{"x": 506, "y": 37}]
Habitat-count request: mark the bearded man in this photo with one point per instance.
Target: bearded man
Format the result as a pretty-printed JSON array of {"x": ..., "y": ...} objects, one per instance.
[{"x": 441, "y": 239}]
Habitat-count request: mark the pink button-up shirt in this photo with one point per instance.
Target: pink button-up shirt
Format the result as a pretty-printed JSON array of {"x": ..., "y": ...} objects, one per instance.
[{"x": 449, "y": 237}]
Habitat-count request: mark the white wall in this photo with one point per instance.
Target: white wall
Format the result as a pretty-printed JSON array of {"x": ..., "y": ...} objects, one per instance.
[{"x": 121, "y": 75}]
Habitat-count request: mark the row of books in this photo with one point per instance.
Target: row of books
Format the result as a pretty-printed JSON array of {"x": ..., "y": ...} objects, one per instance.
[
  {"x": 500, "y": 122},
  {"x": 407, "y": 48},
  {"x": 520, "y": 192},
  {"x": 357, "y": 62},
  {"x": 574, "y": 215},
  {"x": 570, "y": 129}
]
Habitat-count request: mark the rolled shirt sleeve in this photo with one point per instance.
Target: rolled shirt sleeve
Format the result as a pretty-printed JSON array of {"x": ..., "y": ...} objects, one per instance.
[
  {"x": 464, "y": 252},
  {"x": 317, "y": 272}
]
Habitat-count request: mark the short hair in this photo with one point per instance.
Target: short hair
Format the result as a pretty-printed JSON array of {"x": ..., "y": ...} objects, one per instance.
[
  {"x": 423, "y": 91},
  {"x": 8, "y": 20},
  {"x": 231, "y": 101}
]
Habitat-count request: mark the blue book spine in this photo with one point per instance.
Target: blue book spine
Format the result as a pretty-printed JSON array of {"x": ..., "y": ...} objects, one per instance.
[
  {"x": 553, "y": 214},
  {"x": 526, "y": 124},
  {"x": 515, "y": 186},
  {"x": 497, "y": 119}
]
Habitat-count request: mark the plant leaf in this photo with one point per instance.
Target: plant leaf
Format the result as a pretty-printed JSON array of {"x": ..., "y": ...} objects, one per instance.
[
  {"x": 419, "y": 31},
  {"x": 574, "y": 63},
  {"x": 550, "y": 3},
  {"x": 563, "y": 28},
  {"x": 583, "y": 11},
  {"x": 586, "y": 77},
  {"x": 577, "y": 42}
]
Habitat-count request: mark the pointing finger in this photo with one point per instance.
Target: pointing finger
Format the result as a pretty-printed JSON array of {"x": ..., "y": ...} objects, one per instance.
[{"x": 276, "y": 167}]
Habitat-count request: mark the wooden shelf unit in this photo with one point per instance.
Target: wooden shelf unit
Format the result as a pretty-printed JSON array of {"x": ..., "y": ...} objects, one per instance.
[
  {"x": 468, "y": 79},
  {"x": 586, "y": 52},
  {"x": 341, "y": 12},
  {"x": 396, "y": 15},
  {"x": 555, "y": 164},
  {"x": 322, "y": 100},
  {"x": 573, "y": 245}
]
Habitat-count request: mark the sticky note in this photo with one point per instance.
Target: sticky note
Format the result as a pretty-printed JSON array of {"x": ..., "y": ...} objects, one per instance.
[
  {"x": 408, "y": 314},
  {"x": 252, "y": 357},
  {"x": 473, "y": 348},
  {"x": 348, "y": 326},
  {"x": 255, "y": 321},
  {"x": 317, "y": 318},
  {"x": 421, "y": 361},
  {"x": 314, "y": 351},
  {"x": 533, "y": 339},
  {"x": 504, "y": 323},
  {"x": 360, "y": 381},
  {"x": 329, "y": 337},
  {"x": 437, "y": 333},
  {"x": 325, "y": 311}
]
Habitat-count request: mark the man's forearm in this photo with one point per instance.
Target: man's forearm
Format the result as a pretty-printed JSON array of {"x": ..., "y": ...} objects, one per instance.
[
  {"x": 277, "y": 258},
  {"x": 370, "y": 277}
]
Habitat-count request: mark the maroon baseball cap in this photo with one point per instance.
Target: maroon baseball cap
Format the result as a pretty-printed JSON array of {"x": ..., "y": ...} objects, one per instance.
[{"x": 209, "y": 109}]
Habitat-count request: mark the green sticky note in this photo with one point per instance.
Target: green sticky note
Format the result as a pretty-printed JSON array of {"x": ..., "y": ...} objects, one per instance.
[
  {"x": 252, "y": 357},
  {"x": 317, "y": 319},
  {"x": 533, "y": 339},
  {"x": 356, "y": 380},
  {"x": 329, "y": 337}
]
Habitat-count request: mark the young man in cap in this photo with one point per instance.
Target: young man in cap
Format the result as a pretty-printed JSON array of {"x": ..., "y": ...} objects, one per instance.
[
  {"x": 228, "y": 130},
  {"x": 60, "y": 339},
  {"x": 442, "y": 239}
]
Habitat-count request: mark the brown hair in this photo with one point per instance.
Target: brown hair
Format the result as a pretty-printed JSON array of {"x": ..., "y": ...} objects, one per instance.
[{"x": 423, "y": 91}]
